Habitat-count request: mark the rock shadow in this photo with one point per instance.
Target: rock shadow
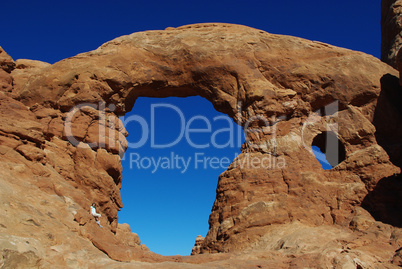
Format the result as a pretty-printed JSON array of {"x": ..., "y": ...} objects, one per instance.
[
  {"x": 388, "y": 118},
  {"x": 385, "y": 202}
]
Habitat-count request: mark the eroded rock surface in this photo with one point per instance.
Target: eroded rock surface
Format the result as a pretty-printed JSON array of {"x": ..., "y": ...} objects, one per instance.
[
  {"x": 391, "y": 28},
  {"x": 61, "y": 142}
]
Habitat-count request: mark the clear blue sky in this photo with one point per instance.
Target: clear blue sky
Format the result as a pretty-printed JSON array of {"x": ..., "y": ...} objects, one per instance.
[{"x": 168, "y": 209}]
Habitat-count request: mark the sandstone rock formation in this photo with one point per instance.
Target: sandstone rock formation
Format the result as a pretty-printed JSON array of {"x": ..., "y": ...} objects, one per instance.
[
  {"x": 199, "y": 240},
  {"x": 61, "y": 142},
  {"x": 391, "y": 28}
]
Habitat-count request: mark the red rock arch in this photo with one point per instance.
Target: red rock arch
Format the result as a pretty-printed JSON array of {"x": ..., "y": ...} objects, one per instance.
[{"x": 245, "y": 73}]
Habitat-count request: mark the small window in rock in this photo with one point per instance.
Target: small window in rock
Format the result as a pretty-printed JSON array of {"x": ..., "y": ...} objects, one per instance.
[{"x": 328, "y": 150}]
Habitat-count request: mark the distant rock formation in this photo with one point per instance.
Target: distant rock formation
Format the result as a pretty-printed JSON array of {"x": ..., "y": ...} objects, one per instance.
[
  {"x": 275, "y": 206},
  {"x": 197, "y": 246},
  {"x": 391, "y": 28}
]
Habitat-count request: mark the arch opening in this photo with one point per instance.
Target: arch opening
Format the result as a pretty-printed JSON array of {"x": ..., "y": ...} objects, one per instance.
[
  {"x": 328, "y": 149},
  {"x": 177, "y": 148}
]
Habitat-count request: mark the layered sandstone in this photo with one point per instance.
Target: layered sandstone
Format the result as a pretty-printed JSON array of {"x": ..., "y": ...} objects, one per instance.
[{"x": 61, "y": 142}]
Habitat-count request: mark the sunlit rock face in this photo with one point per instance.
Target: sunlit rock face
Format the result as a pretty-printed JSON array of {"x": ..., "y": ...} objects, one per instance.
[{"x": 61, "y": 142}]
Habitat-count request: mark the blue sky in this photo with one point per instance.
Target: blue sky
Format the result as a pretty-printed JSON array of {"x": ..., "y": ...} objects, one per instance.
[
  {"x": 168, "y": 208},
  {"x": 168, "y": 192},
  {"x": 322, "y": 159}
]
